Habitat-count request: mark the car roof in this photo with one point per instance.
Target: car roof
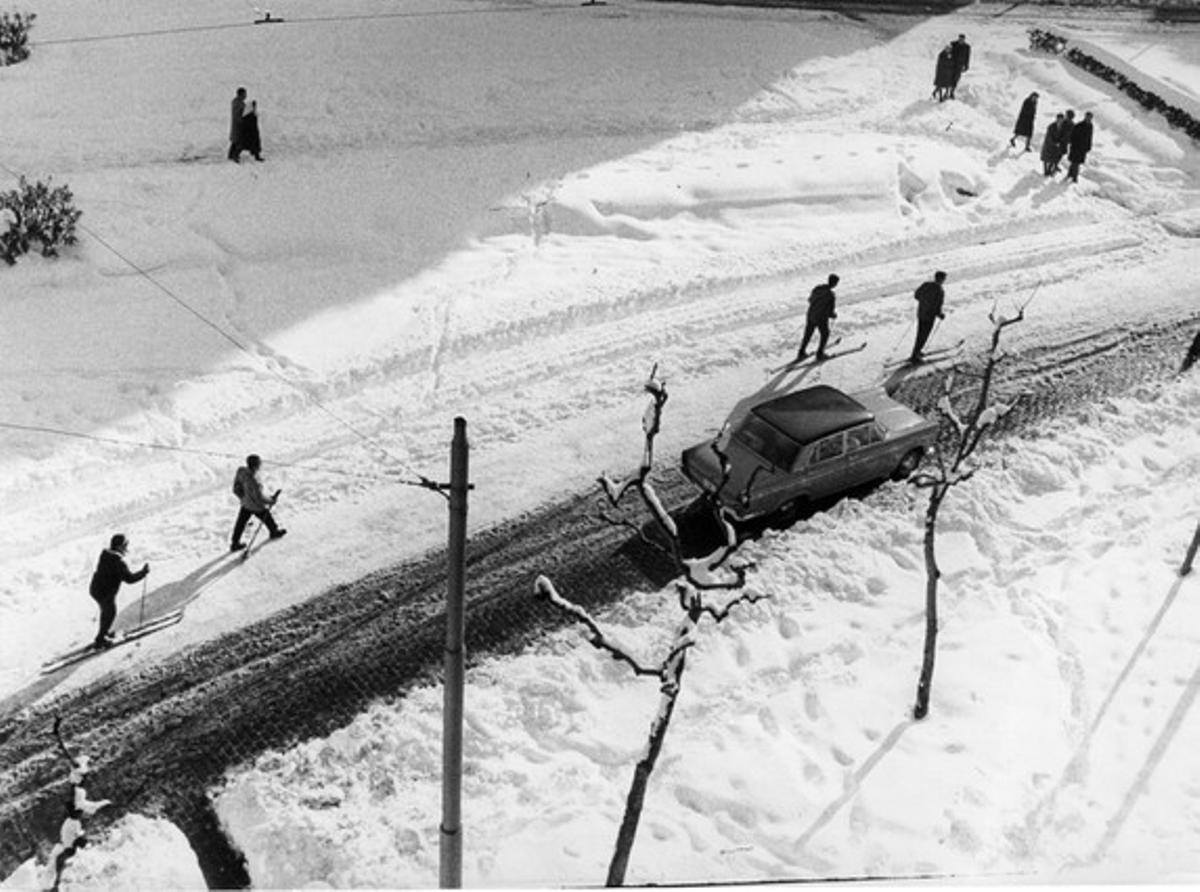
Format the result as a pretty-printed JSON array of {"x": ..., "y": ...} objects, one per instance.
[{"x": 812, "y": 413}]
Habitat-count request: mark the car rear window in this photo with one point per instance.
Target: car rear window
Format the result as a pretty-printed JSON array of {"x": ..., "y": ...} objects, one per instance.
[{"x": 767, "y": 441}]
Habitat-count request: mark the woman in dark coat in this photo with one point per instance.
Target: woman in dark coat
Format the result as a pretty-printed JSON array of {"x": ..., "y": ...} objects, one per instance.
[
  {"x": 1052, "y": 146},
  {"x": 251, "y": 141},
  {"x": 944, "y": 74},
  {"x": 1024, "y": 125}
]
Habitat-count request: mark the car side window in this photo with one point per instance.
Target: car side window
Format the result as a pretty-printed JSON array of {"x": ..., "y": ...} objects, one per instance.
[
  {"x": 830, "y": 447},
  {"x": 861, "y": 436}
]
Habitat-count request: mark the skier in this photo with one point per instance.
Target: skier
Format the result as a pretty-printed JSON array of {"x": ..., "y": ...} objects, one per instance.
[
  {"x": 247, "y": 488},
  {"x": 111, "y": 571},
  {"x": 1051, "y": 152},
  {"x": 820, "y": 311},
  {"x": 1080, "y": 145},
  {"x": 1024, "y": 125},
  {"x": 929, "y": 297},
  {"x": 960, "y": 52}
]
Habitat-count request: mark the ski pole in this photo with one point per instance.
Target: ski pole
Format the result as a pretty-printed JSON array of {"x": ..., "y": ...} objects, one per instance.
[{"x": 142, "y": 612}]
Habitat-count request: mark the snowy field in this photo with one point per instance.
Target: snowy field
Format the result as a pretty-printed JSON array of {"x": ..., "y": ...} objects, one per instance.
[{"x": 509, "y": 212}]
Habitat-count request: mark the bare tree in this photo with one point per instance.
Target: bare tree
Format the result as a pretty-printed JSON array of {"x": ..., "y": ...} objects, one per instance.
[
  {"x": 954, "y": 463},
  {"x": 699, "y": 577},
  {"x": 72, "y": 835}
]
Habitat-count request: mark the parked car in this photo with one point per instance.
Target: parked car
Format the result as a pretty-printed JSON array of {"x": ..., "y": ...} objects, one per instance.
[{"x": 791, "y": 450}]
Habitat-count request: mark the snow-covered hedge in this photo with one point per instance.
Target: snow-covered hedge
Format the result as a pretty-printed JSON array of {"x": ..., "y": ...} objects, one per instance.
[
  {"x": 35, "y": 213},
  {"x": 1180, "y": 118},
  {"x": 14, "y": 36}
]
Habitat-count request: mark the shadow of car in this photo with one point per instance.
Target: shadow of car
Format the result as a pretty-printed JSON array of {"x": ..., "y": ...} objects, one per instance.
[{"x": 792, "y": 450}]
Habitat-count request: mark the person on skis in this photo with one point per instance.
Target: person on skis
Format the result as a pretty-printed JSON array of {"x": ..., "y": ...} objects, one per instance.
[
  {"x": 929, "y": 296},
  {"x": 820, "y": 311},
  {"x": 253, "y": 503},
  {"x": 111, "y": 571}
]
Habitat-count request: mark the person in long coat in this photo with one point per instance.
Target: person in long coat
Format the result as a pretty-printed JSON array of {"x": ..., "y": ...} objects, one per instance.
[
  {"x": 1064, "y": 132},
  {"x": 943, "y": 74},
  {"x": 960, "y": 53},
  {"x": 1025, "y": 118},
  {"x": 251, "y": 140},
  {"x": 1052, "y": 146},
  {"x": 237, "y": 128},
  {"x": 1080, "y": 145}
]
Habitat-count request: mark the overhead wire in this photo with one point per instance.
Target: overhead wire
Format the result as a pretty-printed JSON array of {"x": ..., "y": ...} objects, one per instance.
[{"x": 418, "y": 479}]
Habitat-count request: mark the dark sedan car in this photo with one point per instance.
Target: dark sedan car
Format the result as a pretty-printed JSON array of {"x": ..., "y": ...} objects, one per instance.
[{"x": 814, "y": 443}]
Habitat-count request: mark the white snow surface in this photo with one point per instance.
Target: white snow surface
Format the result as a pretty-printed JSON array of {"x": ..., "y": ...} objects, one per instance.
[{"x": 509, "y": 212}]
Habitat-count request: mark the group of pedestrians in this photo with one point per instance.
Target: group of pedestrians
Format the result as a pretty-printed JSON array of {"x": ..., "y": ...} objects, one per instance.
[
  {"x": 822, "y": 309},
  {"x": 112, "y": 569},
  {"x": 952, "y": 61},
  {"x": 1065, "y": 137}
]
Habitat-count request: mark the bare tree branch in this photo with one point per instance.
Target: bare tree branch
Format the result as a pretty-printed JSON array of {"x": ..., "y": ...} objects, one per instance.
[{"x": 544, "y": 588}]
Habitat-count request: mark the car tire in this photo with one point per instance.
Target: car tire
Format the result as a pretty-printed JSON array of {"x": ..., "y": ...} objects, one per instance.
[
  {"x": 789, "y": 512},
  {"x": 908, "y": 464}
]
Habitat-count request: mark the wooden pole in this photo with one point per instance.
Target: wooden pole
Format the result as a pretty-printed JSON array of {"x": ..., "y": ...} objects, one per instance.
[
  {"x": 452, "y": 721},
  {"x": 1191, "y": 553}
]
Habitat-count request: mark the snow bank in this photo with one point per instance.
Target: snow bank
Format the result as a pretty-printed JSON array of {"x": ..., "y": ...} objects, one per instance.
[
  {"x": 136, "y": 853},
  {"x": 791, "y": 752}
]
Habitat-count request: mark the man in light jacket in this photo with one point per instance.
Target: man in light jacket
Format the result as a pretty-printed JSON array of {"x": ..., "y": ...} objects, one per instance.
[{"x": 253, "y": 503}]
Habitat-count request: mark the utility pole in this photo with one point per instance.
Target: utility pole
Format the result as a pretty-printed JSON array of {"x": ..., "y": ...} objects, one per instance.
[{"x": 450, "y": 861}]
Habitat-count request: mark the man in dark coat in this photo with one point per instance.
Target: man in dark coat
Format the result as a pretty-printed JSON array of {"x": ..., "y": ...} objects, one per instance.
[
  {"x": 237, "y": 126},
  {"x": 251, "y": 139},
  {"x": 943, "y": 74},
  {"x": 960, "y": 51},
  {"x": 1052, "y": 146},
  {"x": 1064, "y": 132},
  {"x": 929, "y": 296},
  {"x": 111, "y": 571},
  {"x": 253, "y": 503},
  {"x": 1024, "y": 125},
  {"x": 1080, "y": 145},
  {"x": 820, "y": 311}
]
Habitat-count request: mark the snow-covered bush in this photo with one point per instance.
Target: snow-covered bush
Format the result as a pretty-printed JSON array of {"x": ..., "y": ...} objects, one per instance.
[
  {"x": 36, "y": 213},
  {"x": 14, "y": 36}
]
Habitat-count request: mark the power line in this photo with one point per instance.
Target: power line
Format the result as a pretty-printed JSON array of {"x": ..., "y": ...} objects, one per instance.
[
  {"x": 419, "y": 479},
  {"x": 211, "y": 453}
]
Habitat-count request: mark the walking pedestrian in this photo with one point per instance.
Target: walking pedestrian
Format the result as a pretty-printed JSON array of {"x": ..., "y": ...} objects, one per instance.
[
  {"x": 943, "y": 74},
  {"x": 820, "y": 310},
  {"x": 1025, "y": 118},
  {"x": 243, "y": 127},
  {"x": 247, "y": 488},
  {"x": 1080, "y": 145},
  {"x": 929, "y": 296},
  {"x": 111, "y": 571},
  {"x": 251, "y": 139},
  {"x": 960, "y": 52},
  {"x": 1052, "y": 146}
]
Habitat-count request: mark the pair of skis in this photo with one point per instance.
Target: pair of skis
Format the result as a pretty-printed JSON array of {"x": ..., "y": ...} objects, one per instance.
[
  {"x": 830, "y": 353},
  {"x": 939, "y": 355},
  {"x": 79, "y": 654}
]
